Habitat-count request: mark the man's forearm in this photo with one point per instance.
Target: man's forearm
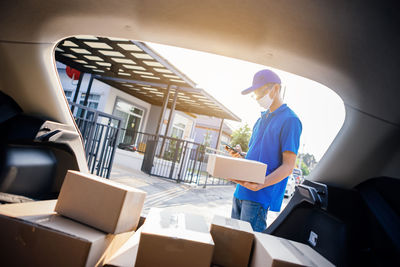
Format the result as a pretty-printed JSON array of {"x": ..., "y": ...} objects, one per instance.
[
  {"x": 278, "y": 175},
  {"x": 283, "y": 171}
]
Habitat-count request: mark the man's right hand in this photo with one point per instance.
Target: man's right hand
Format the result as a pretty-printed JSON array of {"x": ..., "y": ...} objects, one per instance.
[{"x": 233, "y": 153}]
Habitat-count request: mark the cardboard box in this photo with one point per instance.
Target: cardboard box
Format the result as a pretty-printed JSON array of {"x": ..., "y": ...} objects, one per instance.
[
  {"x": 274, "y": 251},
  {"x": 233, "y": 242},
  {"x": 173, "y": 239},
  {"x": 101, "y": 203},
  {"x": 125, "y": 256},
  {"x": 32, "y": 234},
  {"x": 236, "y": 168}
]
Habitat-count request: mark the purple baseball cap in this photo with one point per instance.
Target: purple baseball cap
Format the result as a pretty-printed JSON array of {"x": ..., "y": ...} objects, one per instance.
[{"x": 261, "y": 78}]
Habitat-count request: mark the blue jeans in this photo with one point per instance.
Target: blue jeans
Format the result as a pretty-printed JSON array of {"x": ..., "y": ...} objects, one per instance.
[{"x": 251, "y": 212}]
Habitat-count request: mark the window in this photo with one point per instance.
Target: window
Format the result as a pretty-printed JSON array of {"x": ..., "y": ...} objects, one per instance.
[
  {"x": 93, "y": 100},
  {"x": 131, "y": 116},
  {"x": 68, "y": 95},
  {"x": 178, "y": 130}
]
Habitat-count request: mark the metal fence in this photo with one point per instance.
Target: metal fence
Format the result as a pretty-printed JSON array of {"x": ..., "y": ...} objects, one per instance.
[
  {"x": 166, "y": 157},
  {"x": 138, "y": 139},
  {"x": 176, "y": 159},
  {"x": 99, "y": 131}
]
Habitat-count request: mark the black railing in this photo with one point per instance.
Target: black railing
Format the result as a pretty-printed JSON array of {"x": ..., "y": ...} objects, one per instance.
[
  {"x": 135, "y": 138},
  {"x": 99, "y": 131},
  {"x": 167, "y": 157},
  {"x": 177, "y": 159}
]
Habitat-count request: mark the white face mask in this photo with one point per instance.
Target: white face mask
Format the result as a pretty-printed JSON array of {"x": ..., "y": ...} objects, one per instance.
[{"x": 265, "y": 101}]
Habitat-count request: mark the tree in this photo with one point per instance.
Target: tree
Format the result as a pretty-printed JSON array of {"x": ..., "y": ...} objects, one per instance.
[
  {"x": 309, "y": 160},
  {"x": 304, "y": 169},
  {"x": 306, "y": 163},
  {"x": 241, "y": 136}
]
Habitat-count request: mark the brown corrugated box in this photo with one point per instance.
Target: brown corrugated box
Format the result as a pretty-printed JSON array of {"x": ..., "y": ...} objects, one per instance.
[
  {"x": 32, "y": 234},
  {"x": 171, "y": 238},
  {"x": 233, "y": 242},
  {"x": 236, "y": 168},
  {"x": 101, "y": 203},
  {"x": 274, "y": 251}
]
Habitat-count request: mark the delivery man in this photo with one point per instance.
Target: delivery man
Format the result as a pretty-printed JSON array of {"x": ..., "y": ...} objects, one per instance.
[{"x": 274, "y": 141}]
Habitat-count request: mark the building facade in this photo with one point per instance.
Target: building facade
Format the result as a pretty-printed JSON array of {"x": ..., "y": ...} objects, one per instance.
[
  {"x": 207, "y": 130},
  {"x": 136, "y": 114}
]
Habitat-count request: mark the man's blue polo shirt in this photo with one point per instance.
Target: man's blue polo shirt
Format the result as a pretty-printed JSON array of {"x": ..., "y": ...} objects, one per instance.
[{"x": 273, "y": 134}]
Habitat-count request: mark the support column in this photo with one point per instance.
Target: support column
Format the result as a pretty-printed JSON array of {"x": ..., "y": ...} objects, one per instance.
[
  {"x": 171, "y": 114},
  {"x": 164, "y": 107},
  {"x": 220, "y": 133},
  {"x": 169, "y": 123},
  {"x": 77, "y": 89},
  {"x": 85, "y": 102}
]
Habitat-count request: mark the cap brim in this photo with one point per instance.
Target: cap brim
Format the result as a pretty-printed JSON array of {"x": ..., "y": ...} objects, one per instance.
[{"x": 249, "y": 90}]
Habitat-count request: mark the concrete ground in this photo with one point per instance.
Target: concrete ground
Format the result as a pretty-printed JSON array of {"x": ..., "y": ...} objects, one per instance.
[{"x": 164, "y": 193}]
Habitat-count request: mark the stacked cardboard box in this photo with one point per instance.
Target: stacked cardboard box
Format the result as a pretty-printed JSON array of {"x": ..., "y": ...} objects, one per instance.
[
  {"x": 92, "y": 224},
  {"x": 170, "y": 238},
  {"x": 167, "y": 238},
  {"x": 106, "y": 205},
  {"x": 32, "y": 234},
  {"x": 236, "y": 168},
  {"x": 102, "y": 217}
]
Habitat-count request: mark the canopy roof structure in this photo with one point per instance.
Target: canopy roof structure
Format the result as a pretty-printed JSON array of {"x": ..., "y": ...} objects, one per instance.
[{"x": 136, "y": 69}]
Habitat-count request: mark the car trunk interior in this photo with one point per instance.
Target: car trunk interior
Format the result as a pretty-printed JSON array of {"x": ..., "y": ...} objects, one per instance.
[{"x": 348, "y": 209}]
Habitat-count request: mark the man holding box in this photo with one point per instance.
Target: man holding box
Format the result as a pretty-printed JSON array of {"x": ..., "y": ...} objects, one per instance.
[{"x": 275, "y": 142}]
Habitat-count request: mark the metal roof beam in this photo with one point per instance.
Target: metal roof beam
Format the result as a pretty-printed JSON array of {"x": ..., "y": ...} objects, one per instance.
[
  {"x": 164, "y": 86},
  {"x": 160, "y": 85},
  {"x": 164, "y": 62}
]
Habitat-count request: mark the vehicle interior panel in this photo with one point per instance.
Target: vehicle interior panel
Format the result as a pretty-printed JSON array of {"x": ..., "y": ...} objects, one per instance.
[
  {"x": 358, "y": 227},
  {"x": 29, "y": 168}
]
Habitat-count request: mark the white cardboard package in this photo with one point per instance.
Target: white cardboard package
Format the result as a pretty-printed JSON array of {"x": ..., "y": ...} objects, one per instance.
[{"x": 236, "y": 168}]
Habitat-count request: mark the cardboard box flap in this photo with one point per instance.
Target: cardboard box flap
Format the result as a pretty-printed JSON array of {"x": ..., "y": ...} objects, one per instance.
[
  {"x": 177, "y": 225},
  {"x": 105, "y": 181},
  {"x": 66, "y": 226},
  {"x": 41, "y": 213},
  {"x": 126, "y": 255},
  {"x": 29, "y": 208},
  {"x": 233, "y": 242},
  {"x": 232, "y": 224}
]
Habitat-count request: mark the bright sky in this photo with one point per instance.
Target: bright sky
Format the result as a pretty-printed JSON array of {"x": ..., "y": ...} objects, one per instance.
[{"x": 319, "y": 108}]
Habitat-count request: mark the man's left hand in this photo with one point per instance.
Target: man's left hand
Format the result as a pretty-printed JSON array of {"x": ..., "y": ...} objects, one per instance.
[
  {"x": 249, "y": 185},
  {"x": 253, "y": 186}
]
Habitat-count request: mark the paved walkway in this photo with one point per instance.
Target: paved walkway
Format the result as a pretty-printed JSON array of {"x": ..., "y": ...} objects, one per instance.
[{"x": 164, "y": 193}]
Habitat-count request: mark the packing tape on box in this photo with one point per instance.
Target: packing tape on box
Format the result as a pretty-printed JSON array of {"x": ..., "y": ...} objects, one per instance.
[{"x": 177, "y": 223}]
